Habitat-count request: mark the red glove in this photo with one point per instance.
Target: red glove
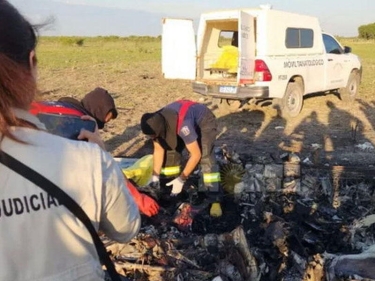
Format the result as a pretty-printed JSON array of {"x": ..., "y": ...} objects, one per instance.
[{"x": 146, "y": 204}]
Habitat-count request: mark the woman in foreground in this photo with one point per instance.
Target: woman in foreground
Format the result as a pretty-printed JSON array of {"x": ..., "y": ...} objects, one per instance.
[{"x": 40, "y": 238}]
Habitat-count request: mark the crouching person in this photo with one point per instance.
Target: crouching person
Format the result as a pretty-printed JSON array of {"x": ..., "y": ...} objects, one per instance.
[
  {"x": 99, "y": 105},
  {"x": 178, "y": 126},
  {"x": 40, "y": 238}
]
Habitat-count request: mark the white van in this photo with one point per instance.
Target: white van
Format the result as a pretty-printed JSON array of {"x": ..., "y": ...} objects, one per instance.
[{"x": 259, "y": 54}]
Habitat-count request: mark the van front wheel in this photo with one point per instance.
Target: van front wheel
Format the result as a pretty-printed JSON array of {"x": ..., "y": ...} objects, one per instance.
[{"x": 292, "y": 102}]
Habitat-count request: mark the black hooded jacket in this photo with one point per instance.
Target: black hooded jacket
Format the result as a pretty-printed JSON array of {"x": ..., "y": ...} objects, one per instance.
[{"x": 96, "y": 103}]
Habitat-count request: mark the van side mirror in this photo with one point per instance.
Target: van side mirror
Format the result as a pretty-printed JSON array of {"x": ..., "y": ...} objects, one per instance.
[{"x": 347, "y": 49}]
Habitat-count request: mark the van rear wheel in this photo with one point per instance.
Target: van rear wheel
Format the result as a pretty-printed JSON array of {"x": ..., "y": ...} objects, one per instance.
[
  {"x": 292, "y": 102},
  {"x": 349, "y": 93}
]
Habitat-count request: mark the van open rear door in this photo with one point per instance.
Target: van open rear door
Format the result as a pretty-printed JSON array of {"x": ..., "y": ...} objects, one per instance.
[
  {"x": 246, "y": 43},
  {"x": 178, "y": 49}
]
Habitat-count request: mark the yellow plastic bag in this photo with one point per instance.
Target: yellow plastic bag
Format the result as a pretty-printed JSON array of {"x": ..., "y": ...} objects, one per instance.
[
  {"x": 141, "y": 171},
  {"x": 228, "y": 59}
]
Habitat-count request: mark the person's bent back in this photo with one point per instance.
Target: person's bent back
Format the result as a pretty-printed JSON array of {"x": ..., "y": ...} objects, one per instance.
[{"x": 41, "y": 239}]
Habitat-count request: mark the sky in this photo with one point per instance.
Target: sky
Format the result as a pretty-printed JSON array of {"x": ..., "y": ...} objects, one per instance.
[{"x": 143, "y": 17}]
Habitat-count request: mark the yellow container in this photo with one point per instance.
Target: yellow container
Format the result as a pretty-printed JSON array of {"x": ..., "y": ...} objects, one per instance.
[{"x": 215, "y": 210}]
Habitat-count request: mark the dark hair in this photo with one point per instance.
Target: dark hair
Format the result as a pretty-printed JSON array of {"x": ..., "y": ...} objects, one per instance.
[{"x": 17, "y": 83}]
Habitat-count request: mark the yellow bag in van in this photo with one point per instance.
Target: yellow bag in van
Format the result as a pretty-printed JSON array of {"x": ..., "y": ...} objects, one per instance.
[
  {"x": 141, "y": 171},
  {"x": 228, "y": 59}
]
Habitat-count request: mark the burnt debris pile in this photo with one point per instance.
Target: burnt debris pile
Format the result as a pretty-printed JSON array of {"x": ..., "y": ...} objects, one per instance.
[{"x": 281, "y": 221}]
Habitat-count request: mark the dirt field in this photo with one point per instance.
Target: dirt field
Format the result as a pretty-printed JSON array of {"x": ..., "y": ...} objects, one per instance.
[
  {"x": 327, "y": 132},
  {"x": 131, "y": 71},
  {"x": 344, "y": 132}
]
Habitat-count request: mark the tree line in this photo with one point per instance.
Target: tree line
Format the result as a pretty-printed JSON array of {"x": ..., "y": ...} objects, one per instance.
[{"x": 367, "y": 31}]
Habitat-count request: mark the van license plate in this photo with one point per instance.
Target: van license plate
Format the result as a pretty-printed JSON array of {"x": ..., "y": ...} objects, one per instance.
[{"x": 228, "y": 89}]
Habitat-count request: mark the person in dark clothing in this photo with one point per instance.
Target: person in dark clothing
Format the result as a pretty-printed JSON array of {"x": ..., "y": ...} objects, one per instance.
[
  {"x": 183, "y": 125},
  {"x": 98, "y": 104}
]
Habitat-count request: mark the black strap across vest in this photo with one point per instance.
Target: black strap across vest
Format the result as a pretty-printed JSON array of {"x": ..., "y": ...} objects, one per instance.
[{"x": 67, "y": 201}]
